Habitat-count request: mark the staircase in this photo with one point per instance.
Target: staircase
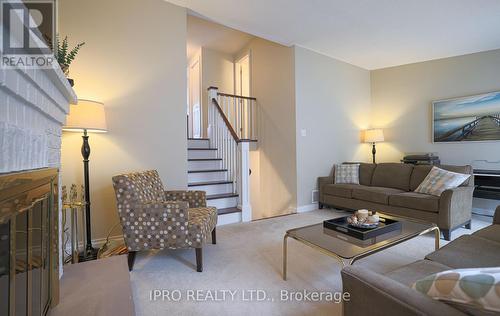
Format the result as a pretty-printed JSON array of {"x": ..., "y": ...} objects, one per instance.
[
  {"x": 206, "y": 173},
  {"x": 220, "y": 164}
]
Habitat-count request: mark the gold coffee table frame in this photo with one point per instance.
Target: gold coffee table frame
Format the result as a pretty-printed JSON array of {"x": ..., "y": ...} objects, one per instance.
[{"x": 370, "y": 250}]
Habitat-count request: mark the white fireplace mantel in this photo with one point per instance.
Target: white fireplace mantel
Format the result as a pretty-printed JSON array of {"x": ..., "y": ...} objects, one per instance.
[{"x": 33, "y": 107}]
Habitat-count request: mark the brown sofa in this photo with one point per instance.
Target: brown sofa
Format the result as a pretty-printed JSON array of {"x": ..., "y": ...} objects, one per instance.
[
  {"x": 390, "y": 294},
  {"x": 388, "y": 187}
]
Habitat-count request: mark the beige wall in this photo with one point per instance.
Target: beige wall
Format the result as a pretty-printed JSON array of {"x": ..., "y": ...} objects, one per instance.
[
  {"x": 273, "y": 162},
  {"x": 218, "y": 71},
  {"x": 332, "y": 107},
  {"x": 134, "y": 61},
  {"x": 401, "y": 101}
]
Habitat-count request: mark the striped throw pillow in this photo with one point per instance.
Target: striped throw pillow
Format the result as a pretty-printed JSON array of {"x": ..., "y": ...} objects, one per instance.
[
  {"x": 477, "y": 288},
  {"x": 439, "y": 180},
  {"x": 347, "y": 173}
]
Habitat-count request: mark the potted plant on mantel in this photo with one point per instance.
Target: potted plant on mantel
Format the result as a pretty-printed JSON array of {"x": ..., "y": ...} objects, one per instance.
[{"x": 65, "y": 57}]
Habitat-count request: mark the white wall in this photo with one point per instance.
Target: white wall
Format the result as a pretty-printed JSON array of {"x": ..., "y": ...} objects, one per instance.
[
  {"x": 134, "y": 61},
  {"x": 217, "y": 71},
  {"x": 332, "y": 107},
  {"x": 402, "y": 96},
  {"x": 273, "y": 179}
]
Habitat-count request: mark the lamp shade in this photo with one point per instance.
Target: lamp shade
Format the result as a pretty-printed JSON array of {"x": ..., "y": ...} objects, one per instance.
[
  {"x": 86, "y": 115},
  {"x": 374, "y": 135}
]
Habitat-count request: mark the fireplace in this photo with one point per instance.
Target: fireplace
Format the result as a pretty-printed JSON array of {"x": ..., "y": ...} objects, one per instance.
[
  {"x": 29, "y": 278},
  {"x": 34, "y": 103}
]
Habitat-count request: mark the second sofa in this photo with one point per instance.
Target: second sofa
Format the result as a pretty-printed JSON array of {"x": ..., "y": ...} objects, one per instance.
[{"x": 388, "y": 187}]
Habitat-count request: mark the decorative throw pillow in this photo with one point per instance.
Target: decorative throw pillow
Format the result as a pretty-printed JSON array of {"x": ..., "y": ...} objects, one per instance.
[
  {"x": 439, "y": 180},
  {"x": 347, "y": 173},
  {"x": 478, "y": 287}
]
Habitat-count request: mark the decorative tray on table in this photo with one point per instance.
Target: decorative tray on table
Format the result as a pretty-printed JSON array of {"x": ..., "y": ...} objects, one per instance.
[{"x": 362, "y": 231}]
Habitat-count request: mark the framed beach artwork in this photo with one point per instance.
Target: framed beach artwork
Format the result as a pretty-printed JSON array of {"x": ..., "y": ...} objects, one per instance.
[{"x": 467, "y": 119}]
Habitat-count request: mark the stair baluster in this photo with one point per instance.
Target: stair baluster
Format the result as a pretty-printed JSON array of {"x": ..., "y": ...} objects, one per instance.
[{"x": 231, "y": 128}]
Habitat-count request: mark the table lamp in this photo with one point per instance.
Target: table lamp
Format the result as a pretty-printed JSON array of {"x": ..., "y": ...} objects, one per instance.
[
  {"x": 373, "y": 136},
  {"x": 87, "y": 117}
]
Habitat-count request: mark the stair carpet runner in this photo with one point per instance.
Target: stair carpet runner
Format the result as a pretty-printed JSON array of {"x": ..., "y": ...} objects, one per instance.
[{"x": 205, "y": 173}]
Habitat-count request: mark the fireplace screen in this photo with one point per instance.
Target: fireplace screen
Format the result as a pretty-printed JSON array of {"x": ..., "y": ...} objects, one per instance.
[
  {"x": 28, "y": 242},
  {"x": 4, "y": 268}
]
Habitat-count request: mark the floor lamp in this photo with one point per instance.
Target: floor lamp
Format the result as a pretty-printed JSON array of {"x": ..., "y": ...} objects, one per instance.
[
  {"x": 373, "y": 136},
  {"x": 87, "y": 117}
]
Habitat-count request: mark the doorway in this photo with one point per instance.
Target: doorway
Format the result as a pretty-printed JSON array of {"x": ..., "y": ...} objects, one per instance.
[
  {"x": 194, "y": 97},
  {"x": 242, "y": 75},
  {"x": 242, "y": 87}
]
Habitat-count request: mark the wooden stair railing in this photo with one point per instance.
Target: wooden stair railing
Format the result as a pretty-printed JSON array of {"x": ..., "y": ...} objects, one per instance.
[
  {"x": 241, "y": 112},
  {"x": 231, "y": 127}
]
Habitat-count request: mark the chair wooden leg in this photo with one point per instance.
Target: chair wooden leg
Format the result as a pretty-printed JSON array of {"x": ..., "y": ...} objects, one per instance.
[
  {"x": 446, "y": 234},
  {"x": 214, "y": 237},
  {"x": 199, "y": 260},
  {"x": 131, "y": 259}
]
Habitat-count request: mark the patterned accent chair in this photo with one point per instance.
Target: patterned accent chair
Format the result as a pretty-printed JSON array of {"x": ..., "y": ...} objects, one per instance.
[{"x": 152, "y": 218}]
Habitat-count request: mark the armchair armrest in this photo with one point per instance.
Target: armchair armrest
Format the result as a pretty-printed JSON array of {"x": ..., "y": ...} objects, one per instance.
[
  {"x": 496, "y": 219},
  {"x": 155, "y": 225},
  {"x": 194, "y": 198},
  {"x": 455, "y": 207},
  {"x": 376, "y": 294}
]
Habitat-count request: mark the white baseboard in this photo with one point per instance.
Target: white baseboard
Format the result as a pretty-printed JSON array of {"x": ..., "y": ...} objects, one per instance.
[
  {"x": 97, "y": 243},
  {"x": 307, "y": 208},
  {"x": 100, "y": 241}
]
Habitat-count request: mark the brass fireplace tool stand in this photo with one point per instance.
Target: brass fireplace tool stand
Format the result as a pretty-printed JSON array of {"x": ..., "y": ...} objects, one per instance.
[
  {"x": 75, "y": 203},
  {"x": 75, "y": 233}
]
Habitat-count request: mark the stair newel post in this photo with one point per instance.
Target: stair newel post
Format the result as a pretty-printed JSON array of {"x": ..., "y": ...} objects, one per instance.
[
  {"x": 212, "y": 94},
  {"x": 244, "y": 175}
]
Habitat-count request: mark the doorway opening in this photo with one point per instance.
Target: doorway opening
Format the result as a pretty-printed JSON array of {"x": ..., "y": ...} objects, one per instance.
[
  {"x": 242, "y": 75},
  {"x": 194, "y": 99}
]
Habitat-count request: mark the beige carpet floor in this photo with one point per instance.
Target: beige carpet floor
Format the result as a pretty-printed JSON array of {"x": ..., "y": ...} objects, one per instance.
[
  {"x": 247, "y": 257},
  {"x": 96, "y": 288}
]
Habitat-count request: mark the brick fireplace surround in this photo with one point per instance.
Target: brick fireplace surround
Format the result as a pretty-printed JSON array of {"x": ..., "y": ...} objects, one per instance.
[{"x": 33, "y": 108}]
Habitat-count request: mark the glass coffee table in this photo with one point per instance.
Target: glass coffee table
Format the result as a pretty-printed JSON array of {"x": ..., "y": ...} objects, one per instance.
[{"x": 347, "y": 249}]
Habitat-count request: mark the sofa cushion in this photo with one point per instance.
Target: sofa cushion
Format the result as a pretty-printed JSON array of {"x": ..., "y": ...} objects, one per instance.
[
  {"x": 424, "y": 202},
  {"x": 347, "y": 173},
  {"x": 340, "y": 189},
  {"x": 478, "y": 288},
  {"x": 439, "y": 180},
  {"x": 415, "y": 271},
  {"x": 366, "y": 173},
  {"x": 468, "y": 252},
  {"x": 374, "y": 194},
  {"x": 392, "y": 175},
  {"x": 421, "y": 171},
  {"x": 491, "y": 232}
]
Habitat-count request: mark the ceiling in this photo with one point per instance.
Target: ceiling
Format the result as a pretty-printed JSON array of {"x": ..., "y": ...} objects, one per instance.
[
  {"x": 368, "y": 33},
  {"x": 203, "y": 33}
]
